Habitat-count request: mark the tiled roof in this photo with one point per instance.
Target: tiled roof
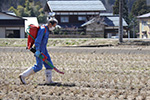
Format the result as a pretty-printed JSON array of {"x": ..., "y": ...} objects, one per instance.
[
  {"x": 82, "y": 5},
  {"x": 6, "y": 15},
  {"x": 109, "y": 21},
  {"x": 144, "y": 16},
  {"x": 114, "y": 21},
  {"x": 7, "y": 19},
  {"x": 88, "y": 22}
]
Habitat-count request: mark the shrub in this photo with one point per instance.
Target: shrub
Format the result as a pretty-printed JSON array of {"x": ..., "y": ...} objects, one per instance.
[{"x": 82, "y": 33}]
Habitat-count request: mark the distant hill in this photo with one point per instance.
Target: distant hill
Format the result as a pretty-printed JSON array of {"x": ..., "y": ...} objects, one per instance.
[
  {"x": 109, "y": 4},
  {"x": 6, "y": 4}
]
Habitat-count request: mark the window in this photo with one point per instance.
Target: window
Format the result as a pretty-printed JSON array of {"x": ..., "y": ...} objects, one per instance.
[
  {"x": 64, "y": 19},
  {"x": 144, "y": 23},
  {"x": 81, "y": 18},
  {"x": 12, "y": 33}
]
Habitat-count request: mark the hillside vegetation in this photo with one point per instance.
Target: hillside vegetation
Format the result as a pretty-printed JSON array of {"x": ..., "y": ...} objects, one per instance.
[{"x": 5, "y": 5}]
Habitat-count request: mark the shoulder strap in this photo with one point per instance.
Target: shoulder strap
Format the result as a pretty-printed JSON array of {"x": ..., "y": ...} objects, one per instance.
[{"x": 45, "y": 30}]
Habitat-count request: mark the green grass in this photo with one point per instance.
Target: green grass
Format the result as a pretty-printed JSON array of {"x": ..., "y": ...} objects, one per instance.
[{"x": 13, "y": 42}]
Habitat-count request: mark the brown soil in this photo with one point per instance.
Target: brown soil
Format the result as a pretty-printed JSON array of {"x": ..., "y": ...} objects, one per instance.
[{"x": 101, "y": 73}]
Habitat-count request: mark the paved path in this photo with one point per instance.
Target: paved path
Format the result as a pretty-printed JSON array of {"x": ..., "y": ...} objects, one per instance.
[{"x": 96, "y": 50}]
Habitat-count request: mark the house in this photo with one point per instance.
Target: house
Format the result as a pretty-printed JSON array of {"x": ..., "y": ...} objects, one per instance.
[
  {"x": 74, "y": 13},
  {"x": 144, "y": 26},
  {"x": 94, "y": 27},
  {"x": 11, "y": 26},
  {"x": 111, "y": 21},
  {"x": 106, "y": 26}
]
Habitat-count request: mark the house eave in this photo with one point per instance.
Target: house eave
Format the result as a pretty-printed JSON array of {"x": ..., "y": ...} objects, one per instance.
[
  {"x": 113, "y": 27},
  {"x": 19, "y": 18},
  {"x": 140, "y": 18},
  {"x": 11, "y": 25},
  {"x": 77, "y": 13}
]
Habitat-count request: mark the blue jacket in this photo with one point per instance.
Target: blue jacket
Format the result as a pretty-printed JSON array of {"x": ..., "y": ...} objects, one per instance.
[{"x": 42, "y": 39}]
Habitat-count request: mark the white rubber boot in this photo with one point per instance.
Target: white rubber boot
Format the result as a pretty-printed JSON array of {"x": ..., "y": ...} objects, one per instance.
[
  {"x": 48, "y": 74},
  {"x": 25, "y": 74}
]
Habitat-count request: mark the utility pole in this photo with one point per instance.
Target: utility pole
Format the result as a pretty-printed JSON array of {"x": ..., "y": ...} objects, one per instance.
[{"x": 120, "y": 21}]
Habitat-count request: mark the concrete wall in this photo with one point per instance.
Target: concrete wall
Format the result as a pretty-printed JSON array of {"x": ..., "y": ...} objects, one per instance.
[
  {"x": 22, "y": 32},
  {"x": 2, "y": 32},
  {"x": 97, "y": 32}
]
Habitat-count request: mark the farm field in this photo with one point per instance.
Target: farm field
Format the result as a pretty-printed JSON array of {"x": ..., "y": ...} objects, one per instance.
[{"x": 104, "y": 73}]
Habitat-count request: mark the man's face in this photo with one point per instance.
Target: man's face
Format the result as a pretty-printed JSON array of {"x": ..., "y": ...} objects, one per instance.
[{"x": 52, "y": 27}]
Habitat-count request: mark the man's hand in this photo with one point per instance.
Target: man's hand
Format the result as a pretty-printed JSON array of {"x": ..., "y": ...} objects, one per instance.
[{"x": 37, "y": 53}]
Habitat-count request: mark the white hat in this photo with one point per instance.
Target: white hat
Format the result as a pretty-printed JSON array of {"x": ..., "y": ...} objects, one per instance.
[{"x": 52, "y": 20}]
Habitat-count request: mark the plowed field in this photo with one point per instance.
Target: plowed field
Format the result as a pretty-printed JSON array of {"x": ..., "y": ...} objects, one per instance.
[{"x": 90, "y": 74}]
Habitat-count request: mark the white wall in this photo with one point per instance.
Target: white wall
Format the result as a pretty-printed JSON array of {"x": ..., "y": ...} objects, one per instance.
[
  {"x": 30, "y": 20},
  {"x": 22, "y": 32},
  {"x": 2, "y": 32}
]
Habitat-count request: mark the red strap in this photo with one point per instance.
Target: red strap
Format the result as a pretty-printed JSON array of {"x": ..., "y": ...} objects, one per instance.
[
  {"x": 45, "y": 29},
  {"x": 45, "y": 57}
]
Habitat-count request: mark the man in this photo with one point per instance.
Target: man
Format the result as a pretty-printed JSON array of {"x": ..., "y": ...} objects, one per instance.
[{"x": 40, "y": 45}]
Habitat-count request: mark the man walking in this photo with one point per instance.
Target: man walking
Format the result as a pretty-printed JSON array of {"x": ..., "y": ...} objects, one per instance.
[{"x": 40, "y": 46}]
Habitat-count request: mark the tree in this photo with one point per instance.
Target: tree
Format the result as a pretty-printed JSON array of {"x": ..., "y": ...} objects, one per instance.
[
  {"x": 2, "y": 2},
  {"x": 125, "y": 9},
  {"x": 42, "y": 18},
  {"x": 37, "y": 10},
  {"x": 111, "y": 1},
  {"x": 139, "y": 7},
  {"x": 20, "y": 11},
  {"x": 133, "y": 25},
  {"x": 21, "y": 2},
  {"x": 13, "y": 10},
  {"x": 30, "y": 9},
  {"x": 116, "y": 7},
  {"x": 27, "y": 5},
  {"x": 130, "y": 4}
]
